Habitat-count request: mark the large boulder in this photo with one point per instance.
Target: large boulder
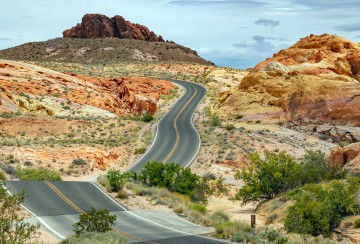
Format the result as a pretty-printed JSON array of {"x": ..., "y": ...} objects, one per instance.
[
  {"x": 347, "y": 157},
  {"x": 99, "y": 26}
]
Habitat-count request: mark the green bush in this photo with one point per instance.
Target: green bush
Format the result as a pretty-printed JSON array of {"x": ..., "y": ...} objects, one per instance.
[
  {"x": 2, "y": 176},
  {"x": 267, "y": 178},
  {"x": 173, "y": 177},
  {"x": 357, "y": 223},
  {"x": 319, "y": 208},
  {"x": 13, "y": 228},
  {"x": 94, "y": 221},
  {"x": 140, "y": 150},
  {"x": 280, "y": 172},
  {"x": 37, "y": 174},
  {"x": 116, "y": 179},
  {"x": 110, "y": 237},
  {"x": 78, "y": 161},
  {"x": 147, "y": 118},
  {"x": 198, "y": 207},
  {"x": 215, "y": 121},
  {"x": 316, "y": 168},
  {"x": 229, "y": 127}
]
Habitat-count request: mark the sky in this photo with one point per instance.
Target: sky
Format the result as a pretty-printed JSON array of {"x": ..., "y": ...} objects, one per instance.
[{"x": 234, "y": 33}]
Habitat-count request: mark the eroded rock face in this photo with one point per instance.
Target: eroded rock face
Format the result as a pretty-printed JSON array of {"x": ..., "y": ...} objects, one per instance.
[
  {"x": 324, "y": 54},
  {"x": 275, "y": 95},
  {"x": 314, "y": 81},
  {"x": 57, "y": 94},
  {"x": 98, "y": 26},
  {"x": 347, "y": 157}
]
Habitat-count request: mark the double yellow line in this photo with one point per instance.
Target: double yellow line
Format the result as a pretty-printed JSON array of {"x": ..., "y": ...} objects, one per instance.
[
  {"x": 73, "y": 205},
  {"x": 176, "y": 129}
]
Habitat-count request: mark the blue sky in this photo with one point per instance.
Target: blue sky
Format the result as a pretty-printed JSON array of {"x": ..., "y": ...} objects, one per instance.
[{"x": 236, "y": 33}]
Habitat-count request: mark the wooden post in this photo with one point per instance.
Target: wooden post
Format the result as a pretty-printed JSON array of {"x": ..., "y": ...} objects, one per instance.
[{"x": 253, "y": 221}]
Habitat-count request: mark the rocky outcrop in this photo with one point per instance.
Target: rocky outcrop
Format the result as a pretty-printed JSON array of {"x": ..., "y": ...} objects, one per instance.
[
  {"x": 324, "y": 54},
  {"x": 314, "y": 81},
  {"x": 57, "y": 94},
  {"x": 99, "y": 26},
  {"x": 280, "y": 97},
  {"x": 347, "y": 157}
]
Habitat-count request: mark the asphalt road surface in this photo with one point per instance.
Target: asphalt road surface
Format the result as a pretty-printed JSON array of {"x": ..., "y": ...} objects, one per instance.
[
  {"x": 57, "y": 206},
  {"x": 176, "y": 139}
]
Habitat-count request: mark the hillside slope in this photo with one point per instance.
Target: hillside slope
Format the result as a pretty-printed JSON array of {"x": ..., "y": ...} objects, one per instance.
[{"x": 101, "y": 51}]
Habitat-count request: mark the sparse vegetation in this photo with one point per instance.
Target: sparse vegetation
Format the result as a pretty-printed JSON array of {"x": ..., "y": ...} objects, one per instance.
[
  {"x": 13, "y": 229},
  {"x": 319, "y": 208},
  {"x": 147, "y": 118},
  {"x": 78, "y": 161},
  {"x": 94, "y": 221},
  {"x": 279, "y": 172},
  {"x": 37, "y": 174},
  {"x": 95, "y": 238}
]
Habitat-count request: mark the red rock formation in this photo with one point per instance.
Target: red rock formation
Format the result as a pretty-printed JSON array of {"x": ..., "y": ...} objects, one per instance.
[
  {"x": 324, "y": 54},
  {"x": 98, "y": 26},
  {"x": 348, "y": 157}
]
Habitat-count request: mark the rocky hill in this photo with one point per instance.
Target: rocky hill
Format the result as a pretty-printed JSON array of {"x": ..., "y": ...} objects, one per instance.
[
  {"x": 98, "y": 26},
  {"x": 103, "y": 40},
  {"x": 314, "y": 81},
  {"x": 32, "y": 89}
]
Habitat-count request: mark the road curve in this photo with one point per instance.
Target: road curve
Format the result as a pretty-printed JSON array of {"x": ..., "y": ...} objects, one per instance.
[
  {"x": 57, "y": 205},
  {"x": 176, "y": 139}
]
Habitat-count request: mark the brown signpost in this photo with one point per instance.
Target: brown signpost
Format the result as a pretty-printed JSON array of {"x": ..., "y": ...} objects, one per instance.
[{"x": 253, "y": 221}]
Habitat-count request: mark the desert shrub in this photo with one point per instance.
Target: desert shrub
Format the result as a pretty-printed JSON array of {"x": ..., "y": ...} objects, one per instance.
[
  {"x": 95, "y": 238},
  {"x": 37, "y": 174},
  {"x": 280, "y": 172},
  {"x": 147, "y": 118},
  {"x": 173, "y": 177},
  {"x": 6, "y": 115},
  {"x": 227, "y": 229},
  {"x": 140, "y": 150},
  {"x": 94, "y": 221},
  {"x": 2, "y": 176},
  {"x": 267, "y": 178},
  {"x": 316, "y": 168},
  {"x": 239, "y": 116},
  {"x": 229, "y": 127},
  {"x": 78, "y": 161},
  {"x": 13, "y": 229},
  {"x": 198, "y": 207},
  {"x": 116, "y": 179},
  {"x": 319, "y": 208},
  {"x": 215, "y": 121},
  {"x": 357, "y": 223}
]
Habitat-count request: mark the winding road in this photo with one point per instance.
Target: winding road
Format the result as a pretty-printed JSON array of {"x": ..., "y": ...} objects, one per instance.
[
  {"x": 176, "y": 139},
  {"x": 57, "y": 205}
]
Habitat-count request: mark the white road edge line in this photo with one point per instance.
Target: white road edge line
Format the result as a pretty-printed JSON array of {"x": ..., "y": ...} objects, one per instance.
[
  {"x": 39, "y": 218},
  {"x": 150, "y": 221},
  {"x": 192, "y": 123},
  {"x": 156, "y": 131}
]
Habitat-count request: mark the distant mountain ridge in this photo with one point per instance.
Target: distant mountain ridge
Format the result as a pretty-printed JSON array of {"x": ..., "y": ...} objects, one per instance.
[{"x": 98, "y": 26}]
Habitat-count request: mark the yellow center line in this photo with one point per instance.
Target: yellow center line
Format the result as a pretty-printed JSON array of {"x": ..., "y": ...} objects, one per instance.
[
  {"x": 63, "y": 197},
  {"x": 176, "y": 130}
]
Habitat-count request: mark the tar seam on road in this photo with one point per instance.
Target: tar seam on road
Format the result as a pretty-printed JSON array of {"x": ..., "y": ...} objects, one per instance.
[
  {"x": 176, "y": 130},
  {"x": 67, "y": 200}
]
